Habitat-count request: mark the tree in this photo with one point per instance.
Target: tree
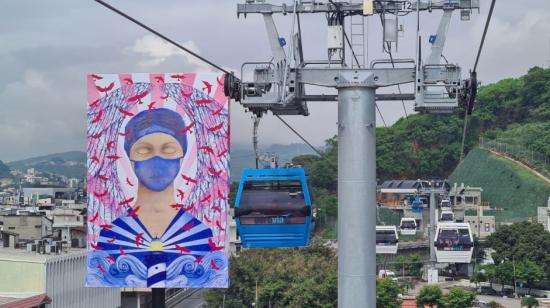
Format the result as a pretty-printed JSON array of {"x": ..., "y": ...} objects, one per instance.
[
  {"x": 529, "y": 272},
  {"x": 489, "y": 271},
  {"x": 529, "y": 301},
  {"x": 504, "y": 273},
  {"x": 430, "y": 295},
  {"x": 387, "y": 294},
  {"x": 415, "y": 266},
  {"x": 459, "y": 298},
  {"x": 478, "y": 276},
  {"x": 286, "y": 278}
]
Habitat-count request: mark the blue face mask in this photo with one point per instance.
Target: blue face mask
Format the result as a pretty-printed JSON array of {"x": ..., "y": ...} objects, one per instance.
[{"x": 157, "y": 173}]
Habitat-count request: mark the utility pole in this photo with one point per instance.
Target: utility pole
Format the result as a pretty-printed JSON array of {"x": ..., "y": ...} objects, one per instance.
[{"x": 279, "y": 86}]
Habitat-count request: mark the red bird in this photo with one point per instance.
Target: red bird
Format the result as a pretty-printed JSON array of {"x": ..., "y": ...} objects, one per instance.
[
  {"x": 98, "y": 117},
  {"x": 122, "y": 252},
  {"x": 98, "y": 135},
  {"x": 151, "y": 106},
  {"x": 111, "y": 258},
  {"x": 222, "y": 153},
  {"x": 137, "y": 97},
  {"x": 214, "y": 172},
  {"x": 182, "y": 249},
  {"x": 220, "y": 195},
  {"x": 188, "y": 179},
  {"x": 190, "y": 207},
  {"x": 206, "y": 218},
  {"x": 112, "y": 240},
  {"x": 102, "y": 194},
  {"x": 106, "y": 89},
  {"x": 218, "y": 224},
  {"x": 217, "y": 112},
  {"x": 100, "y": 267},
  {"x": 126, "y": 202},
  {"x": 207, "y": 86},
  {"x": 95, "y": 102},
  {"x": 220, "y": 82},
  {"x": 96, "y": 216},
  {"x": 214, "y": 266},
  {"x": 125, "y": 113},
  {"x": 213, "y": 246},
  {"x": 205, "y": 199},
  {"x": 159, "y": 79},
  {"x": 178, "y": 77},
  {"x": 139, "y": 239},
  {"x": 180, "y": 194},
  {"x": 199, "y": 259},
  {"x": 94, "y": 158},
  {"x": 203, "y": 101},
  {"x": 185, "y": 94},
  {"x": 215, "y": 128},
  {"x": 128, "y": 81},
  {"x": 110, "y": 145},
  {"x": 102, "y": 177},
  {"x": 133, "y": 212},
  {"x": 105, "y": 226},
  {"x": 176, "y": 206},
  {"x": 95, "y": 247},
  {"x": 125, "y": 133},
  {"x": 216, "y": 209},
  {"x": 129, "y": 183},
  {"x": 165, "y": 96},
  {"x": 187, "y": 129},
  {"x": 96, "y": 77},
  {"x": 188, "y": 226},
  {"x": 113, "y": 157},
  {"x": 207, "y": 149}
]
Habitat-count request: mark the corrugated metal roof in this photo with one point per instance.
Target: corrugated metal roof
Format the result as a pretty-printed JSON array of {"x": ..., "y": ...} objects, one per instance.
[{"x": 28, "y": 302}]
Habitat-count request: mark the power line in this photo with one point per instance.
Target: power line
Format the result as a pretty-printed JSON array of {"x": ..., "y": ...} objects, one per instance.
[
  {"x": 299, "y": 135},
  {"x": 465, "y": 127},
  {"x": 137, "y": 22},
  {"x": 484, "y": 33}
]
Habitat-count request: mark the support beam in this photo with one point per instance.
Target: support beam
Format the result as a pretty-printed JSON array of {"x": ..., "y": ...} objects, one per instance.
[{"x": 356, "y": 197}]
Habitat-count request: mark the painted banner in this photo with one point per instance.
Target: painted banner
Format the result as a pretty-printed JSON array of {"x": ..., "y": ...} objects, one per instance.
[{"x": 157, "y": 181}]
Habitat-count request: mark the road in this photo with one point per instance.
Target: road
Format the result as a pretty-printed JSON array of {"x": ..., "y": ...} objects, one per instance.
[
  {"x": 505, "y": 302},
  {"x": 194, "y": 300}
]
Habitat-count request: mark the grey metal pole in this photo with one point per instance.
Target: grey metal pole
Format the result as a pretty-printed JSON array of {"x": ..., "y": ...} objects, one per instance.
[
  {"x": 356, "y": 196},
  {"x": 433, "y": 220}
]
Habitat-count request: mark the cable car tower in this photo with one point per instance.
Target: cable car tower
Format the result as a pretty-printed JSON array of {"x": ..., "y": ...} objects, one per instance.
[{"x": 279, "y": 86}]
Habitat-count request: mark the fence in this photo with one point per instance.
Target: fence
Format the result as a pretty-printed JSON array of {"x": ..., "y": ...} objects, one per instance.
[{"x": 534, "y": 160}]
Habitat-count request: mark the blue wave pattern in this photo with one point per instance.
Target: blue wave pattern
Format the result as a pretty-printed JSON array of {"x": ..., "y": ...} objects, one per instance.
[
  {"x": 121, "y": 260},
  {"x": 128, "y": 271}
]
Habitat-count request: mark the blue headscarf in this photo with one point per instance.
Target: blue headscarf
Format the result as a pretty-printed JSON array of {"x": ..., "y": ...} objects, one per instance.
[{"x": 160, "y": 120}]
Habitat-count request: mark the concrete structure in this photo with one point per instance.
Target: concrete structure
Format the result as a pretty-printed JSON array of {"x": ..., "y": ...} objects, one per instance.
[
  {"x": 543, "y": 216},
  {"x": 481, "y": 225},
  {"x": 28, "y": 226},
  {"x": 60, "y": 276},
  {"x": 465, "y": 196},
  {"x": 54, "y": 192},
  {"x": 68, "y": 225}
]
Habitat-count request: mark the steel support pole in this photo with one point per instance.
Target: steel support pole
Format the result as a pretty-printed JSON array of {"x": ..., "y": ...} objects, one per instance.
[
  {"x": 431, "y": 233},
  {"x": 356, "y": 196}
]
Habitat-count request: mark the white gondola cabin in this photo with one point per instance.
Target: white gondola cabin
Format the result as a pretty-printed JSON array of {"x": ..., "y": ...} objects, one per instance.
[
  {"x": 445, "y": 205},
  {"x": 454, "y": 243},
  {"x": 407, "y": 226},
  {"x": 447, "y": 216},
  {"x": 386, "y": 239}
]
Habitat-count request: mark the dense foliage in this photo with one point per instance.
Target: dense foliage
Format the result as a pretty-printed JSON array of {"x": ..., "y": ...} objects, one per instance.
[
  {"x": 430, "y": 295},
  {"x": 387, "y": 294},
  {"x": 284, "y": 277}
]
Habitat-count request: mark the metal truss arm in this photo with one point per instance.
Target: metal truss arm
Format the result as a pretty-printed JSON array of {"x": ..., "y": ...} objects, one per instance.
[{"x": 438, "y": 41}]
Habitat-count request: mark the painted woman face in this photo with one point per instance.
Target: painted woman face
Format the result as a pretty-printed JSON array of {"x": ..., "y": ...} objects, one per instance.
[{"x": 157, "y": 160}]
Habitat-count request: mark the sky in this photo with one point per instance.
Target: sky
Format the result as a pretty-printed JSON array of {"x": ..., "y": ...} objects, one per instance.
[{"x": 49, "y": 46}]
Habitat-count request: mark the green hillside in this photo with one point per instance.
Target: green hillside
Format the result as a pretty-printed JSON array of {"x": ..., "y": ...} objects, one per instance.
[
  {"x": 505, "y": 184},
  {"x": 4, "y": 171}
]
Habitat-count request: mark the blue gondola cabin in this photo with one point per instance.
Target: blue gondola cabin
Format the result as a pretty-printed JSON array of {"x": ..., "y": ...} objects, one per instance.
[{"x": 273, "y": 208}]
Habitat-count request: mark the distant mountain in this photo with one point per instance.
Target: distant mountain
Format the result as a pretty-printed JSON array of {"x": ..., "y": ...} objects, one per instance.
[
  {"x": 4, "y": 171},
  {"x": 70, "y": 164},
  {"x": 73, "y": 164}
]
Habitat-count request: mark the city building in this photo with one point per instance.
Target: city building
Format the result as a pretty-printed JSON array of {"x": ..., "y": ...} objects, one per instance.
[
  {"x": 28, "y": 226},
  {"x": 465, "y": 196},
  {"x": 61, "y": 277},
  {"x": 543, "y": 216}
]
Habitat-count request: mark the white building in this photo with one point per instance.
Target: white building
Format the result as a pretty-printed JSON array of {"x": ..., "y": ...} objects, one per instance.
[{"x": 60, "y": 276}]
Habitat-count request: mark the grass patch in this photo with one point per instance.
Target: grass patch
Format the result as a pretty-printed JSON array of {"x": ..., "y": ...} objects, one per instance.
[{"x": 505, "y": 184}]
